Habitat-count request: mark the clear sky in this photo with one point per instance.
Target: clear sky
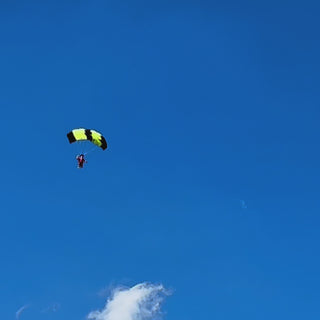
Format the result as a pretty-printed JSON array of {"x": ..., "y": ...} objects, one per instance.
[{"x": 204, "y": 104}]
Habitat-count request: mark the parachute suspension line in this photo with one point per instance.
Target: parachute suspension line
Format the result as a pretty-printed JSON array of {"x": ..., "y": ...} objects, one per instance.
[
  {"x": 79, "y": 147},
  {"x": 91, "y": 150},
  {"x": 82, "y": 147}
]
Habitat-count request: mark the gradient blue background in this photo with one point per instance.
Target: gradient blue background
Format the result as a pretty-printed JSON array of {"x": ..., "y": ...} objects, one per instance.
[{"x": 203, "y": 104}]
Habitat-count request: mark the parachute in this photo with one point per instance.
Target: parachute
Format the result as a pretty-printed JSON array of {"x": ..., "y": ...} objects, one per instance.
[{"x": 83, "y": 134}]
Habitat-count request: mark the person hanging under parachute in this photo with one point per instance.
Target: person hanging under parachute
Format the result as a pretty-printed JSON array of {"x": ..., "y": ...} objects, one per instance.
[
  {"x": 86, "y": 135},
  {"x": 81, "y": 160}
]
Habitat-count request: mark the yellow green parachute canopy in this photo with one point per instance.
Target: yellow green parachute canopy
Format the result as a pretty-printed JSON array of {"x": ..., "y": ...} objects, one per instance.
[{"x": 83, "y": 134}]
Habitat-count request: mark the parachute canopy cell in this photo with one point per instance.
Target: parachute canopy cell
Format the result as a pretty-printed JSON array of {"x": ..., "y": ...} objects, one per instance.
[{"x": 83, "y": 134}]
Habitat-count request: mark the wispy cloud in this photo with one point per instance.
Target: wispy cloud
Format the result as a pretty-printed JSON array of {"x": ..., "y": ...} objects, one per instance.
[
  {"x": 20, "y": 310},
  {"x": 140, "y": 302},
  {"x": 243, "y": 204},
  {"x": 52, "y": 308}
]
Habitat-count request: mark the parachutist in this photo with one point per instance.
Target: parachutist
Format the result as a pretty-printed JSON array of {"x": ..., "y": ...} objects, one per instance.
[
  {"x": 81, "y": 160},
  {"x": 86, "y": 135}
]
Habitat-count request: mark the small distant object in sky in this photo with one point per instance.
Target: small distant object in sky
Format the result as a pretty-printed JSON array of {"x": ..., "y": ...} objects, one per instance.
[
  {"x": 18, "y": 313},
  {"x": 243, "y": 204},
  {"x": 80, "y": 136}
]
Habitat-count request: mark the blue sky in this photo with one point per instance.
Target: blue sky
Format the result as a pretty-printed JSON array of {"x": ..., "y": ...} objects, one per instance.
[{"x": 203, "y": 105}]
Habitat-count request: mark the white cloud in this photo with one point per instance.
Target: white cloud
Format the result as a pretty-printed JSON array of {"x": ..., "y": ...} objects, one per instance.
[
  {"x": 140, "y": 302},
  {"x": 18, "y": 313},
  {"x": 52, "y": 308}
]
